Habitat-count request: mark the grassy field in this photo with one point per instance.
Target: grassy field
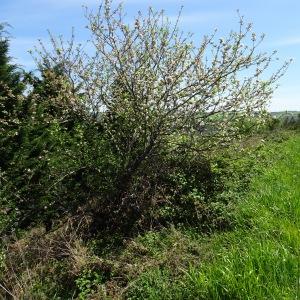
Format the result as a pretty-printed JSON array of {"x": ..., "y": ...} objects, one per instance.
[
  {"x": 259, "y": 259},
  {"x": 245, "y": 247}
]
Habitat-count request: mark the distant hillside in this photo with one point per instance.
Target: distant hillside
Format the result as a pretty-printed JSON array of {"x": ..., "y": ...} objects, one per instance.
[
  {"x": 286, "y": 119},
  {"x": 286, "y": 113}
]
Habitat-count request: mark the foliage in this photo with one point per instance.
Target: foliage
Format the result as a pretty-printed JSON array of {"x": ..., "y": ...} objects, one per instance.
[
  {"x": 10, "y": 74},
  {"x": 166, "y": 263},
  {"x": 142, "y": 134},
  {"x": 259, "y": 259},
  {"x": 32, "y": 131},
  {"x": 87, "y": 283},
  {"x": 146, "y": 97},
  {"x": 11, "y": 87}
]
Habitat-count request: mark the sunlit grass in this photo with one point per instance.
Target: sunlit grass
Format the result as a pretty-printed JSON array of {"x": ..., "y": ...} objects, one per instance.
[{"x": 259, "y": 259}]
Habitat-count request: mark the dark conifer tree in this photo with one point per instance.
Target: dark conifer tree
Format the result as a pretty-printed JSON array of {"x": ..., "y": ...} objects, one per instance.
[
  {"x": 10, "y": 74},
  {"x": 11, "y": 89}
]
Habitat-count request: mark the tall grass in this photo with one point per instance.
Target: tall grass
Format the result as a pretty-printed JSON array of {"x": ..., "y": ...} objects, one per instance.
[{"x": 259, "y": 259}]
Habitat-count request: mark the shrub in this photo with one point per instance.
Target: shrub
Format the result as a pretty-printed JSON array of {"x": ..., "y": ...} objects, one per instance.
[{"x": 107, "y": 132}]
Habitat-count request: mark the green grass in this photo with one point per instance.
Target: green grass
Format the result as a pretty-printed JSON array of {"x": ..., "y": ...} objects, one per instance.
[
  {"x": 253, "y": 254},
  {"x": 259, "y": 259}
]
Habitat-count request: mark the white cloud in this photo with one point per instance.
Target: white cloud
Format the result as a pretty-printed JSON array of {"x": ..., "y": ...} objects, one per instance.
[
  {"x": 200, "y": 17},
  {"x": 23, "y": 42},
  {"x": 27, "y": 64},
  {"x": 75, "y": 3},
  {"x": 284, "y": 103},
  {"x": 286, "y": 98},
  {"x": 290, "y": 41},
  {"x": 149, "y": 2}
]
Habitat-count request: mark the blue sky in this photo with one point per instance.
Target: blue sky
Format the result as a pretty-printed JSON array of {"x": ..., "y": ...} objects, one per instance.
[{"x": 278, "y": 19}]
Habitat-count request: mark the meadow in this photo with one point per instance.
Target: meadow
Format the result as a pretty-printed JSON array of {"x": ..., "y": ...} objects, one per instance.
[
  {"x": 257, "y": 259},
  {"x": 247, "y": 246}
]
